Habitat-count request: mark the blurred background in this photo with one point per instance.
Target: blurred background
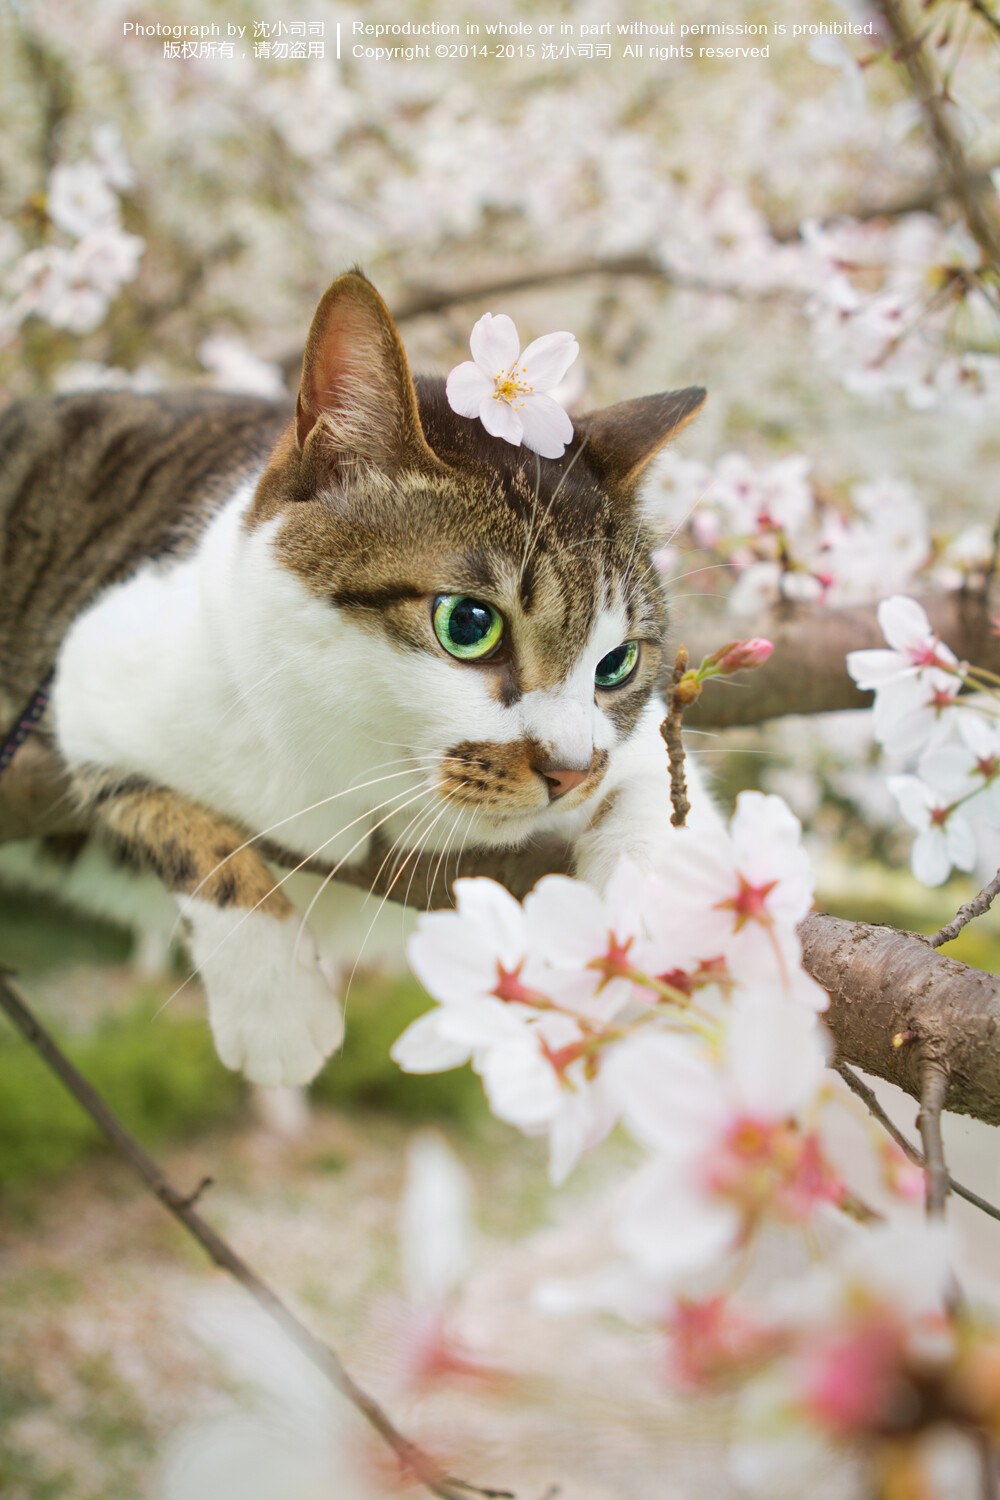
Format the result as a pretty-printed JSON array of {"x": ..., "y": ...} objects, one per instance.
[{"x": 777, "y": 228}]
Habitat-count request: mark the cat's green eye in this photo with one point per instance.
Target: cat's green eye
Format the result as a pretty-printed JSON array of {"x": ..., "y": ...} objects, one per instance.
[
  {"x": 467, "y": 628},
  {"x": 617, "y": 666}
]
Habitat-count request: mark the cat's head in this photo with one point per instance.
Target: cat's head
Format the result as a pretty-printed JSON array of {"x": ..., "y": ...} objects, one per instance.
[{"x": 505, "y": 606}]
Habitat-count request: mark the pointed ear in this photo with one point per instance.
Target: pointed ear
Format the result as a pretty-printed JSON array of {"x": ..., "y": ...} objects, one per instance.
[
  {"x": 356, "y": 394},
  {"x": 623, "y": 439}
]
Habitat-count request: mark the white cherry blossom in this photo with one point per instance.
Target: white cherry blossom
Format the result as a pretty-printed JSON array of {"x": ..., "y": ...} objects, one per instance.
[
  {"x": 725, "y": 1148},
  {"x": 944, "y": 836},
  {"x": 507, "y": 389},
  {"x": 741, "y": 895},
  {"x": 79, "y": 199},
  {"x": 968, "y": 772}
]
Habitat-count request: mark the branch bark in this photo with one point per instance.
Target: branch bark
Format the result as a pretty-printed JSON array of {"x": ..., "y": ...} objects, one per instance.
[{"x": 898, "y": 1006}]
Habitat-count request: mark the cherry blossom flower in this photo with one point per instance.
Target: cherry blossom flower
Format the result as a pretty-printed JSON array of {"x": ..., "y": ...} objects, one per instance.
[
  {"x": 435, "y": 1242},
  {"x": 506, "y": 389},
  {"x": 727, "y": 1149},
  {"x": 79, "y": 199},
  {"x": 916, "y": 682},
  {"x": 740, "y": 895},
  {"x": 944, "y": 836},
  {"x": 970, "y": 772}
]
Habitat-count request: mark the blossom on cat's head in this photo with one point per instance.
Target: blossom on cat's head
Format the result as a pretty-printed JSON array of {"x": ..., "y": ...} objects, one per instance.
[{"x": 507, "y": 389}]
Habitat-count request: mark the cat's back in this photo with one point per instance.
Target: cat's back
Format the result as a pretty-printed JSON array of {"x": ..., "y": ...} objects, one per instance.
[{"x": 92, "y": 484}]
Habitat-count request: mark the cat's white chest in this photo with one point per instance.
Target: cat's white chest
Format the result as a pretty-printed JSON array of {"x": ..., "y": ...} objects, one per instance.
[{"x": 201, "y": 675}]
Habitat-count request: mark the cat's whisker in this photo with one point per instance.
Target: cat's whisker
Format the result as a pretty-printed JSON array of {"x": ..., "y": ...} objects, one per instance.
[
  {"x": 555, "y": 495},
  {"x": 278, "y": 884},
  {"x": 445, "y": 850},
  {"x": 688, "y": 513},
  {"x": 323, "y": 802},
  {"x": 385, "y": 898},
  {"x": 425, "y": 791},
  {"x": 692, "y": 572}
]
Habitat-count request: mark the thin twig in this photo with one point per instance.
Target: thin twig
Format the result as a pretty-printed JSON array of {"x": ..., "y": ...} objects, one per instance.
[
  {"x": 412, "y": 1458},
  {"x": 868, "y": 1098},
  {"x": 967, "y": 913},
  {"x": 670, "y": 731},
  {"x": 932, "y": 1096},
  {"x": 977, "y": 204}
]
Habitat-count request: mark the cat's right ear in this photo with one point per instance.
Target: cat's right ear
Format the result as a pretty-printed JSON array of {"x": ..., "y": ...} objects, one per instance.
[{"x": 356, "y": 396}]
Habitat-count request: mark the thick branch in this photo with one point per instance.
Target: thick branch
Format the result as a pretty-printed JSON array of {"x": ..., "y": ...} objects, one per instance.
[
  {"x": 807, "y": 674},
  {"x": 897, "y": 1005}
]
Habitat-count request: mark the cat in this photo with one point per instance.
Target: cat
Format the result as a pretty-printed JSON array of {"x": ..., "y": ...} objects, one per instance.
[{"x": 361, "y": 616}]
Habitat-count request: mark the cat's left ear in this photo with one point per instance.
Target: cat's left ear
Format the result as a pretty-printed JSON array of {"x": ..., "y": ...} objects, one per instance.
[
  {"x": 623, "y": 440},
  {"x": 356, "y": 396}
]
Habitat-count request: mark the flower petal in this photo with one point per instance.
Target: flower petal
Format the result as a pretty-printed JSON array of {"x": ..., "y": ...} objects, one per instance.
[
  {"x": 546, "y": 360},
  {"x": 494, "y": 343},
  {"x": 422, "y": 1048},
  {"x": 501, "y": 420},
  {"x": 904, "y": 623},
  {"x": 467, "y": 387},
  {"x": 546, "y": 428},
  {"x": 929, "y": 857}
]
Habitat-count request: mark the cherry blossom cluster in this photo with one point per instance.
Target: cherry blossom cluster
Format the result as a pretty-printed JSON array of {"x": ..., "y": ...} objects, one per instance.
[
  {"x": 579, "y": 1009},
  {"x": 943, "y": 716},
  {"x": 675, "y": 1005},
  {"x": 888, "y": 301},
  {"x": 70, "y": 280},
  {"x": 762, "y": 533}
]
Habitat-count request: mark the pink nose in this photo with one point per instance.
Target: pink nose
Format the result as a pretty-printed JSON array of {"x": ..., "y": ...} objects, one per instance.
[{"x": 561, "y": 782}]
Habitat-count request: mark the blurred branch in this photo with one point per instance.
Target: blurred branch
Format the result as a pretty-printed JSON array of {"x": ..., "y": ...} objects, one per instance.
[
  {"x": 920, "y": 200},
  {"x": 413, "y": 1460},
  {"x": 977, "y": 203},
  {"x": 868, "y": 1098},
  {"x": 980, "y": 9},
  {"x": 54, "y": 93},
  {"x": 806, "y": 674},
  {"x": 421, "y": 300}
]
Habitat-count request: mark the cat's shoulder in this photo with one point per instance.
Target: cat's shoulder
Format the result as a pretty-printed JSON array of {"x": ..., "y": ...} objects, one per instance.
[{"x": 95, "y": 483}]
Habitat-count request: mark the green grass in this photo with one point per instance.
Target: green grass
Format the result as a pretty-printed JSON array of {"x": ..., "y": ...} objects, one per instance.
[
  {"x": 158, "y": 1070},
  {"x": 36, "y": 933}
]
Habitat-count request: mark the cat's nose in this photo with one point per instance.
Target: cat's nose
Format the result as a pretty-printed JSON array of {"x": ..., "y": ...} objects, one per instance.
[{"x": 563, "y": 781}]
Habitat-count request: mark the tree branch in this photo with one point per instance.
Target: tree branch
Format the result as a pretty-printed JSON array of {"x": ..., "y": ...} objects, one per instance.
[
  {"x": 896, "y": 1004},
  {"x": 933, "y": 1091},
  {"x": 977, "y": 204},
  {"x": 413, "y": 1459},
  {"x": 868, "y": 1098},
  {"x": 967, "y": 913},
  {"x": 807, "y": 673}
]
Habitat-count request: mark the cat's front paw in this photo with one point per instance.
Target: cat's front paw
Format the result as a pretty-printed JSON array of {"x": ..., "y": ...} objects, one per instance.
[{"x": 272, "y": 1012}]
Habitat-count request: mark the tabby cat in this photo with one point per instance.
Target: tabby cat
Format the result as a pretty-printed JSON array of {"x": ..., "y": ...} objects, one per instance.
[{"x": 364, "y": 616}]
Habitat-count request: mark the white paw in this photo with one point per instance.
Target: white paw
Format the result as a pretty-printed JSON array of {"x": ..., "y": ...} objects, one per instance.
[{"x": 270, "y": 1005}]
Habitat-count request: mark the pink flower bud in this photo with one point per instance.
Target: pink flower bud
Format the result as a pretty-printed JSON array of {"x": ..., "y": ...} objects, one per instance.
[{"x": 737, "y": 656}]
